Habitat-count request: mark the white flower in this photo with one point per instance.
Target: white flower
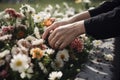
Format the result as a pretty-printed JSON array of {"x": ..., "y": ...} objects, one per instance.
[
  {"x": 55, "y": 75},
  {"x": 49, "y": 51},
  {"x": 30, "y": 38},
  {"x": 27, "y": 73},
  {"x": 84, "y": 37},
  {"x": 86, "y": 1},
  {"x": 20, "y": 62},
  {"x": 44, "y": 15},
  {"x": 5, "y": 37},
  {"x": 108, "y": 57},
  {"x": 63, "y": 55},
  {"x": 57, "y": 64},
  {"x": 37, "y": 33},
  {"x": 4, "y": 53},
  {"x": 15, "y": 50},
  {"x": 37, "y": 42},
  {"x": 49, "y": 8},
  {"x": 97, "y": 43},
  {"x": 37, "y": 18},
  {"x": 43, "y": 67},
  {"x": 66, "y": 5},
  {"x": 27, "y": 9},
  {"x": 7, "y": 16}
]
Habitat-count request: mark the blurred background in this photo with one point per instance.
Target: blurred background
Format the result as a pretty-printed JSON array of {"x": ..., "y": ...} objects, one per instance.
[{"x": 41, "y": 4}]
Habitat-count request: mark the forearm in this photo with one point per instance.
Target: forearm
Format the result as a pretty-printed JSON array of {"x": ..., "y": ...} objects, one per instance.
[{"x": 78, "y": 17}]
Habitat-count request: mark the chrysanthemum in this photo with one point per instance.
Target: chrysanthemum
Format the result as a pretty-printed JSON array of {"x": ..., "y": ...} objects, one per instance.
[
  {"x": 97, "y": 43},
  {"x": 20, "y": 62},
  {"x": 55, "y": 75},
  {"x": 63, "y": 55},
  {"x": 77, "y": 45},
  {"x": 36, "y": 53}
]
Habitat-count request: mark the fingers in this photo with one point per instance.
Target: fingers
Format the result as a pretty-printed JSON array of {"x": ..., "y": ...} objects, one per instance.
[
  {"x": 49, "y": 29},
  {"x": 53, "y": 39}
]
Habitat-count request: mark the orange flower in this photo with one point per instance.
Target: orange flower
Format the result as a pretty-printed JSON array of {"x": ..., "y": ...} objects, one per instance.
[
  {"x": 48, "y": 22},
  {"x": 36, "y": 53}
]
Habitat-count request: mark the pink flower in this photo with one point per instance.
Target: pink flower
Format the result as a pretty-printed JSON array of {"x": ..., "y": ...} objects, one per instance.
[
  {"x": 13, "y": 13},
  {"x": 77, "y": 45},
  {"x": 10, "y": 11}
]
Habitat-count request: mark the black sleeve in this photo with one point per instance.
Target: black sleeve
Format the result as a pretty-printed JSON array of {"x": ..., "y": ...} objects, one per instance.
[
  {"x": 104, "y": 7},
  {"x": 105, "y": 25}
]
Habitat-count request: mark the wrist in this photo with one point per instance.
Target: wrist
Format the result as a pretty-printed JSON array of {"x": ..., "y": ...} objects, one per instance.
[{"x": 80, "y": 27}]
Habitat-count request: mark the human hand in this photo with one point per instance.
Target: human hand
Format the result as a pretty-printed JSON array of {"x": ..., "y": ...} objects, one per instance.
[
  {"x": 52, "y": 27},
  {"x": 64, "y": 35}
]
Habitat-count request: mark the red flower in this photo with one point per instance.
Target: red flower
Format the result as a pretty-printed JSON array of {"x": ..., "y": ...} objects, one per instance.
[{"x": 77, "y": 45}]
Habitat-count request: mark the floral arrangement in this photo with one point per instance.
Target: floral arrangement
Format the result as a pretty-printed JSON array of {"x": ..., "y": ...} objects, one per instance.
[{"x": 24, "y": 55}]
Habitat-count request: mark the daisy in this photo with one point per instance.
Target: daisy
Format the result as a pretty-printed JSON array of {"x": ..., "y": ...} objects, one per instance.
[
  {"x": 37, "y": 18},
  {"x": 20, "y": 62},
  {"x": 63, "y": 55},
  {"x": 36, "y": 53},
  {"x": 55, "y": 75}
]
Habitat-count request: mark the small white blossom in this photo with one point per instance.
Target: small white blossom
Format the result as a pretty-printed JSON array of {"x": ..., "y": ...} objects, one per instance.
[
  {"x": 4, "y": 53},
  {"x": 37, "y": 42},
  {"x": 97, "y": 43},
  {"x": 27, "y": 73},
  {"x": 43, "y": 67},
  {"x": 30, "y": 38},
  {"x": 5, "y": 37},
  {"x": 55, "y": 75},
  {"x": 37, "y": 33},
  {"x": 86, "y": 1},
  {"x": 108, "y": 57},
  {"x": 49, "y": 51}
]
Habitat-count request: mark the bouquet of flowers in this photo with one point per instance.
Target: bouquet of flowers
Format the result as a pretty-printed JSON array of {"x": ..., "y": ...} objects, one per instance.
[{"x": 24, "y": 55}]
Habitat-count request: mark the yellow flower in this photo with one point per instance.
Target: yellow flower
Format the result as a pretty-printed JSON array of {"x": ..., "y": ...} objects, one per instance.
[{"x": 36, "y": 53}]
